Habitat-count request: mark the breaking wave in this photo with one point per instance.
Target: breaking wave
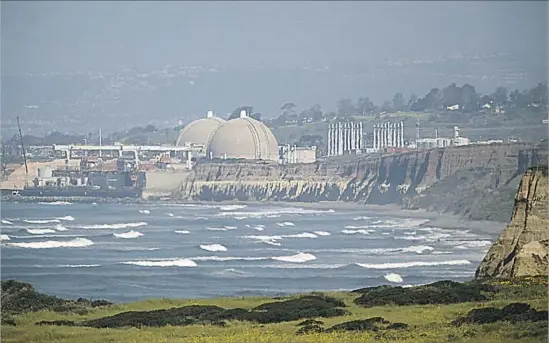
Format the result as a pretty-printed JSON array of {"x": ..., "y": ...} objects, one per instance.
[
  {"x": 74, "y": 243},
  {"x": 78, "y": 265},
  {"x": 283, "y": 224},
  {"x": 144, "y": 211},
  {"x": 60, "y": 227},
  {"x": 213, "y": 247},
  {"x": 115, "y": 226},
  {"x": 232, "y": 207},
  {"x": 225, "y": 228},
  {"x": 41, "y": 221},
  {"x": 182, "y": 262},
  {"x": 227, "y": 258},
  {"x": 398, "y": 265},
  {"x": 55, "y": 203},
  {"x": 297, "y": 258},
  {"x": 182, "y": 231},
  {"x": 321, "y": 233},
  {"x": 392, "y": 277},
  {"x": 40, "y": 231},
  {"x": 66, "y": 218},
  {"x": 258, "y": 227},
  {"x": 272, "y": 213},
  {"x": 129, "y": 234},
  {"x": 4, "y": 237},
  {"x": 7, "y": 222},
  {"x": 273, "y": 240},
  {"x": 360, "y": 231}
]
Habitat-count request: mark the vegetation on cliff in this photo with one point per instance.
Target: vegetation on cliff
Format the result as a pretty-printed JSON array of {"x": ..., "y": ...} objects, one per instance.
[{"x": 509, "y": 310}]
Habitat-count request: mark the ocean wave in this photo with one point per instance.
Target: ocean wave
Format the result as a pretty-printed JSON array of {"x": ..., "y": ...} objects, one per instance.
[
  {"x": 227, "y": 258},
  {"x": 360, "y": 231},
  {"x": 74, "y": 243},
  {"x": 41, "y": 221},
  {"x": 469, "y": 244},
  {"x": 66, "y": 218},
  {"x": 398, "y": 265},
  {"x": 232, "y": 207},
  {"x": 297, "y": 258},
  {"x": 419, "y": 249},
  {"x": 393, "y": 277},
  {"x": 362, "y": 218},
  {"x": 182, "y": 231},
  {"x": 7, "y": 222},
  {"x": 78, "y": 265},
  {"x": 55, "y": 203},
  {"x": 39, "y": 231},
  {"x": 182, "y": 262},
  {"x": 275, "y": 238},
  {"x": 272, "y": 213},
  {"x": 321, "y": 233},
  {"x": 213, "y": 247},
  {"x": 115, "y": 226},
  {"x": 307, "y": 266},
  {"x": 60, "y": 227},
  {"x": 4, "y": 237},
  {"x": 283, "y": 224},
  {"x": 129, "y": 234},
  {"x": 144, "y": 211},
  {"x": 225, "y": 228}
]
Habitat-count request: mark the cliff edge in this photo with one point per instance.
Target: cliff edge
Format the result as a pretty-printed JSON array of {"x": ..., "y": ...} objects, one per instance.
[{"x": 521, "y": 249}]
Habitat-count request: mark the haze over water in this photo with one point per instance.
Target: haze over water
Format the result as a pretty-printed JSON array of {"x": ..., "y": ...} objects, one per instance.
[{"x": 123, "y": 252}]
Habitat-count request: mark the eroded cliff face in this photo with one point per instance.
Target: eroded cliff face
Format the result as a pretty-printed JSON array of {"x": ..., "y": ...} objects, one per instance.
[
  {"x": 521, "y": 249},
  {"x": 409, "y": 179}
]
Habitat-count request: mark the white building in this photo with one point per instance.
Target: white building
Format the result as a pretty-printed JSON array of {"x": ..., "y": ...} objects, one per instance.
[{"x": 294, "y": 154}]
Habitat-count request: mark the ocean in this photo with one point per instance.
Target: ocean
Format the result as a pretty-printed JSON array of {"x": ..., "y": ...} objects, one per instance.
[{"x": 127, "y": 252}]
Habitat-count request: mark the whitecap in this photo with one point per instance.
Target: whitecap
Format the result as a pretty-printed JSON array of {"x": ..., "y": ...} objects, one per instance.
[
  {"x": 300, "y": 235},
  {"x": 79, "y": 265},
  {"x": 41, "y": 221},
  {"x": 40, "y": 231},
  {"x": 74, "y": 243},
  {"x": 360, "y": 231},
  {"x": 4, "y": 237},
  {"x": 182, "y": 231},
  {"x": 393, "y": 277},
  {"x": 297, "y": 258},
  {"x": 7, "y": 222},
  {"x": 321, "y": 233},
  {"x": 398, "y": 265},
  {"x": 361, "y": 218},
  {"x": 66, "y": 218},
  {"x": 182, "y": 262},
  {"x": 417, "y": 249},
  {"x": 213, "y": 247},
  {"x": 129, "y": 234},
  {"x": 283, "y": 224},
  {"x": 274, "y": 213},
  {"x": 144, "y": 211},
  {"x": 55, "y": 203},
  {"x": 232, "y": 207},
  {"x": 227, "y": 258},
  {"x": 60, "y": 227},
  {"x": 225, "y": 228},
  {"x": 115, "y": 226}
]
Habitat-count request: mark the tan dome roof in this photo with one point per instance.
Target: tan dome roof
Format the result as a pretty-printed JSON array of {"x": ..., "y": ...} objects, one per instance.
[
  {"x": 200, "y": 131},
  {"x": 246, "y": 138}
]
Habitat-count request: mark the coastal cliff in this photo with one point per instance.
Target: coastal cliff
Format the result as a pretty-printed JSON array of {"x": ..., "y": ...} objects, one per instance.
[
  {"x": 521, "y": 249},
  {"x": 413, "y": 179}
]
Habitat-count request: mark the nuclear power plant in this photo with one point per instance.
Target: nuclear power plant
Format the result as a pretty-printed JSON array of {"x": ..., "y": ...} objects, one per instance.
[
  {"x": 345, "y": 138},
  {"x": 388, "y": 135}
]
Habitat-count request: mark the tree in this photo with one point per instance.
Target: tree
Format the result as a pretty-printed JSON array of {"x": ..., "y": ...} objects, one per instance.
[
  {"x": 310, "y": 140},
  {"x": 469, "y": 98},
  {"x": 364, "y": 106},
  {"x": 413, "y": 99},
  {"x": 398, "y": 102},
  {"x": 538, "y": 95},
  {"x": 387, "y": 106},
  {"x": 451, "y": 95},
  {"x": 500, "y": 96},
  {"x": 345, "y": 107},
  {"x": 236, "y": 113}
]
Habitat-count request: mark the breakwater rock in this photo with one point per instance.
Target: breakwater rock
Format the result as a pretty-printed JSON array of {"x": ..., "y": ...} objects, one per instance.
[
  {"x": 521, "y": 249},
  {"x": 444, "y": 180}
]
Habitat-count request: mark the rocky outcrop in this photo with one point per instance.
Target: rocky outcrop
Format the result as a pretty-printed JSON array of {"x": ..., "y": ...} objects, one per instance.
[
  {"x": 413, "y": 179},
  {"x": 521, "y": 249}
]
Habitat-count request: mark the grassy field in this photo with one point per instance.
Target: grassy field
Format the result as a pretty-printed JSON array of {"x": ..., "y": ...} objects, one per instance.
[{"x": 427, "y": 323}]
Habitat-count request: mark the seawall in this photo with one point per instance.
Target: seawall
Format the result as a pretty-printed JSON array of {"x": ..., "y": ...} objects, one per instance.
[{"x": 413, "y": 179}]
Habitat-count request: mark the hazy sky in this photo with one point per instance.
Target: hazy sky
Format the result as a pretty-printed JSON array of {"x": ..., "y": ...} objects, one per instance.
[{"x": 62, "y": 36}]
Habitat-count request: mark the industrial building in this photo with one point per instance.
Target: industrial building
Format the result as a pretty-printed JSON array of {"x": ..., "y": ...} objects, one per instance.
[
  {"x": 442, "y": 142},
  {"x": 243, "y": 138},
  {"x": 345, "y": 138},
  {"x": 388, "y": 135},
  {"x": 200, "y": 132},
  {"x": 294, "y": 154}
]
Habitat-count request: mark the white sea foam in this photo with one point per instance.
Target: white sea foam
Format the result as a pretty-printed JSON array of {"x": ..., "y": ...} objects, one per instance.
[
  {"x": 7, "y": 222},
  {"x": 79, "y": 265},
  {"x": 4, "y": 237},
  {"x": 297, "y": 258},
  {"x": 144, "y": 211},
  {"x": 359, "y": 231},
  {"x": 225, "y": 228},
  {"x": 306, "y": 266},
  {"x": 300, "y": 235},
  {"x": 417, "y": 249},
  {"x": 66, "y": 218},
  {"x": 41, "y": 221},
  {"x": 361, "y": 218},
  {"x": 74, "y": 243},
  {"x": 256, "y": 227},
  {"x": 182, "y": 262},
  {"x": 227, "y": 258},
  {"x": 321, "y": 233},
  {"x": 285, "y": 224},
  {"x": 213, "y": 247},
  {"x": 129, "y": 234},
  {"x": 398, "y": 265},
  {"x": 55, "y": 203},
  {"x": 273, "y": 239},
  {"x": 232, "y": 207},
  {"x": 40, "y": 231},
  {"x": 272, "y": 213},
  {"x": 182, "y": 231},
  {"x": 469, "y": 244},
  {"x": 392, "y": 277},
  {"x": 170, "y": 214},
  {"x": 115, "y": 226},
  {"x": 60, "y": 227}
]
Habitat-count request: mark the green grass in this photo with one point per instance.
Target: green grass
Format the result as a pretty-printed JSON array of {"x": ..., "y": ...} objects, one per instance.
[{"x": 428, "y": 323}]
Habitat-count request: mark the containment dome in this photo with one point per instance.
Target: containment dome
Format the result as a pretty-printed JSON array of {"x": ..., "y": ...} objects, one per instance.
[
  {"x": 200, "y": 131},
  {"x": 246, "y": 138}
]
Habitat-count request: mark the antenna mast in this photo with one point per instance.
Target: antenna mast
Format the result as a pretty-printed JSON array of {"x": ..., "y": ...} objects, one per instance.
[{"x": 23, "y": 149}]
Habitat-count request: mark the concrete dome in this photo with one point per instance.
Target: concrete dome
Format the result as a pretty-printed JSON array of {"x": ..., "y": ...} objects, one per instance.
[
  {"x": 200, "y": 131},
  {"x": 246, "y": 138}
]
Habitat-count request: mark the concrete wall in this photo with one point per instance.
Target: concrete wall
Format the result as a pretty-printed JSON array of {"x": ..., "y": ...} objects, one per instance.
[{"x": 163, "y": 183}]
